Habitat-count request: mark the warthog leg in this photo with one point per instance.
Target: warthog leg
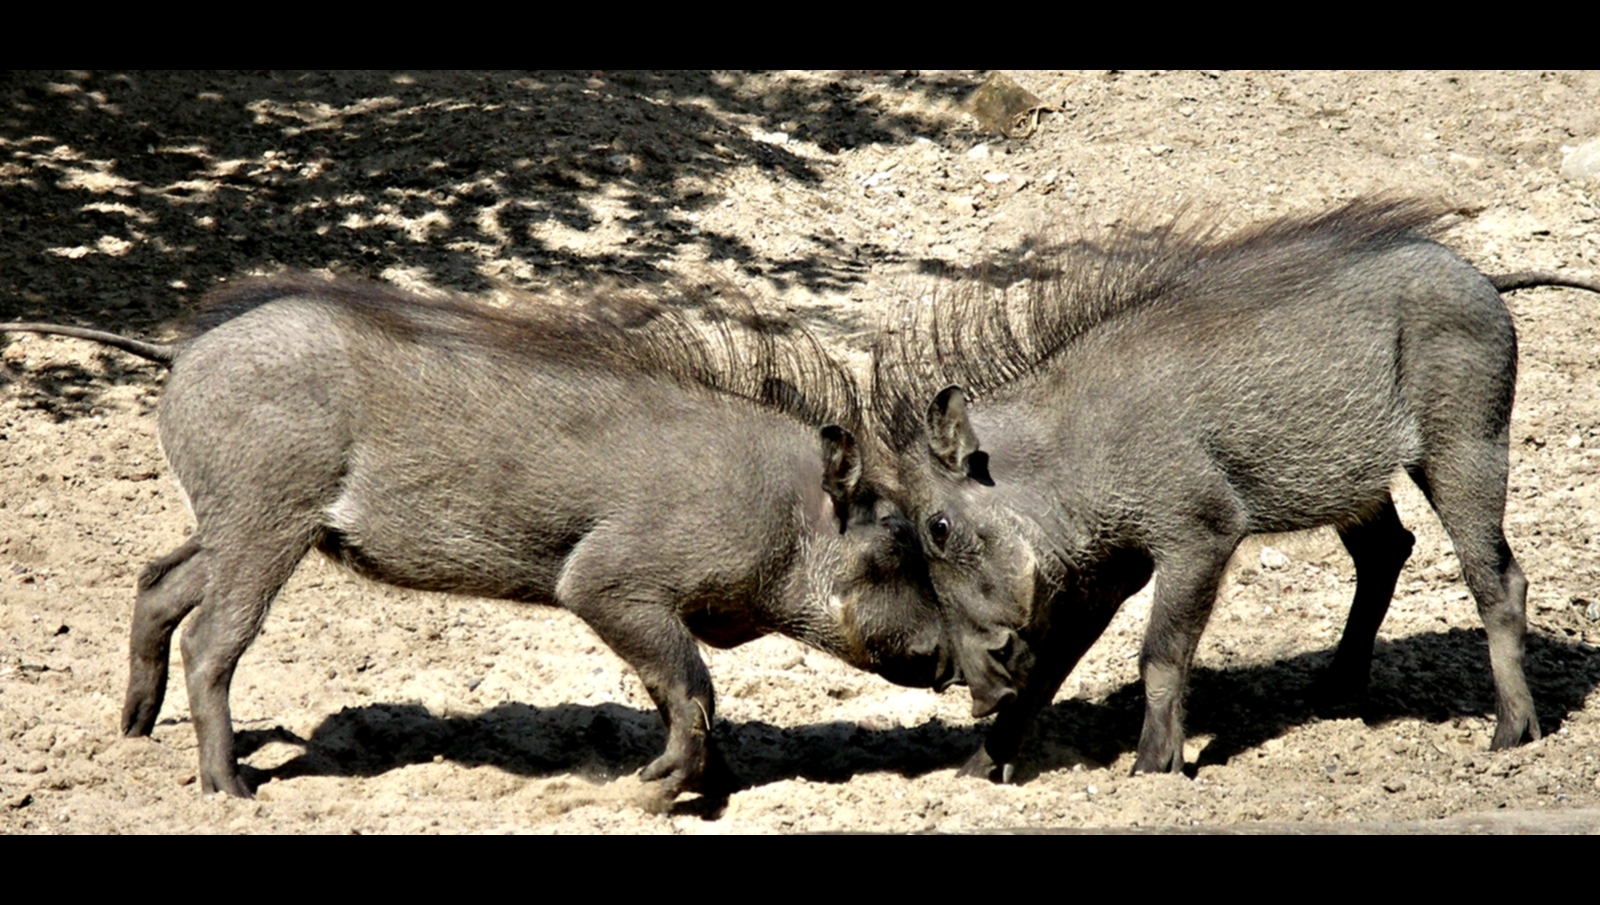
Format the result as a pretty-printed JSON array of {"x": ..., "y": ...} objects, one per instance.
[
  {"x": 169, "y": 589},
  {"x": 1078, "y": 617},
  {"x": 1379, "y": 547},
  {"x": 638, "y": 621},
  {"x": 244, "y": 576},
  {"x": 1466, "y": 486},
  {"x": 1186, "y": 591}
]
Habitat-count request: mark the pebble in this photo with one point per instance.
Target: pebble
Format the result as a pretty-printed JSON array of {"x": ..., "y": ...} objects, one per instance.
[
  {"x": 963, "y": 204},
  {"x": 1271, "y": 558},
  {"x": 1583, "y": 162}
]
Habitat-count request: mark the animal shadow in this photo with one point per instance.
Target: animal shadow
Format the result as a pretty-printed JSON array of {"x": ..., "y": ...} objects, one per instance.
[
  {"x": 600, "y": 743},
  {"x": 68, "y": 391},
  {"x": 1437, "y": 677}
]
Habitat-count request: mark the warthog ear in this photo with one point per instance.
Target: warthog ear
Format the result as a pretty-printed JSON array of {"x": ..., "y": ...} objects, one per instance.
[
  {"x": 951, "y": 438},
  {"x": 841, "y": 470}
]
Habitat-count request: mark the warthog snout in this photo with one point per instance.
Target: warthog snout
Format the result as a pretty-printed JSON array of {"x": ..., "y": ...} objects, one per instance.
[{"x": 1000, "y": 660}]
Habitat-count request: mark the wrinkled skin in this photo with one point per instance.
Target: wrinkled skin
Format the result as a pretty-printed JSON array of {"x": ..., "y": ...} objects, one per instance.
[
  {"x": 1156, "y": 441},
  {"x": 658, "y": 511}
]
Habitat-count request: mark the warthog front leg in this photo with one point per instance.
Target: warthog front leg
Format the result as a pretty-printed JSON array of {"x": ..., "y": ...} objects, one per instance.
[
  {"x": 637, "y": 622},
  {"x": 649, "y": 636},
  {"x": 1077, "y": 619},
  {"x": 1186, "y": 591}
]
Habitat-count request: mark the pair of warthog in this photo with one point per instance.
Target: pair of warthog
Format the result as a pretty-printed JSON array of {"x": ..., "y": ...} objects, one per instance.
[{"x": 1017, "y": 471}]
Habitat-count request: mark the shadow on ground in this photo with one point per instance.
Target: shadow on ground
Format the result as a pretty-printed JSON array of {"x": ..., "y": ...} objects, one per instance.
[
  {"x": 139, "y": 189},
  {"x": 68, "y": 391},
  {"x": 1241, "y": 707},
  {"x": 601, "y": 742},
  {"x": 1436, "y": 677}
]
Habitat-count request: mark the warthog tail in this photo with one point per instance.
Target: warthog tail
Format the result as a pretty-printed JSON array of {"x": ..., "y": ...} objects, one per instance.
[
  {"x": 1528, "y": 279},
  {"x": 162, "y": 353}
]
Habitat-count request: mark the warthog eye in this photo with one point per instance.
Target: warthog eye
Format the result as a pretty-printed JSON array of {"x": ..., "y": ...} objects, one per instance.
[{"x": 939, "y": 529}]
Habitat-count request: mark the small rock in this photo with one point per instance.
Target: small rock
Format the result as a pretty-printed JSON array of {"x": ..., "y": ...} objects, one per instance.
[
  {"x": 963, "y": 204},
  {"x": 999, "y": 101},
  {"x": 1583, "y": 162},
  {"x": 979, "y": 152},
  {"x": 996, "y": 178},
  {"x": 1395, "y": 785},
  {"x": 1273, "y": 559},
  {"x": 1574, "y": 441},
  {"x": 1592, "y": 611},
  {"x": 39, "y": 738}
]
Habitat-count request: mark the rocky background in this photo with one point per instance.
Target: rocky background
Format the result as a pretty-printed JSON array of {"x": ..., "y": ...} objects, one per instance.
[{"x": 125, "y": 196}]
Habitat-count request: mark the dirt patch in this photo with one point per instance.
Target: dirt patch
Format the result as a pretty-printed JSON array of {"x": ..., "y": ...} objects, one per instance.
[{"x": 125, "y": 196}]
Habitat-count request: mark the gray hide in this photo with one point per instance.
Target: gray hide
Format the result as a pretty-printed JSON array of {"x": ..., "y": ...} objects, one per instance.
[
  {"x": 662, "y": 481},
  {"x": 1141, "y": 406}
]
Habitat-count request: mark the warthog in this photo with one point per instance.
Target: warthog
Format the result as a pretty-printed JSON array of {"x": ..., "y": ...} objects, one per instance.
[
  {"x": 1140, "y": 406},
  {"x": 663, "y": 479}
]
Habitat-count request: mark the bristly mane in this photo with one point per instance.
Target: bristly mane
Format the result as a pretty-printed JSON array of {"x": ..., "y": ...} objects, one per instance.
[
  {"x": 983, "y": 338},
  {"x": 709, "y": 337}
]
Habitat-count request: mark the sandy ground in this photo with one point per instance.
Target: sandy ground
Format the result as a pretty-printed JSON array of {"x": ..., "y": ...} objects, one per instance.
[{"x": 125, "y": 196}]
